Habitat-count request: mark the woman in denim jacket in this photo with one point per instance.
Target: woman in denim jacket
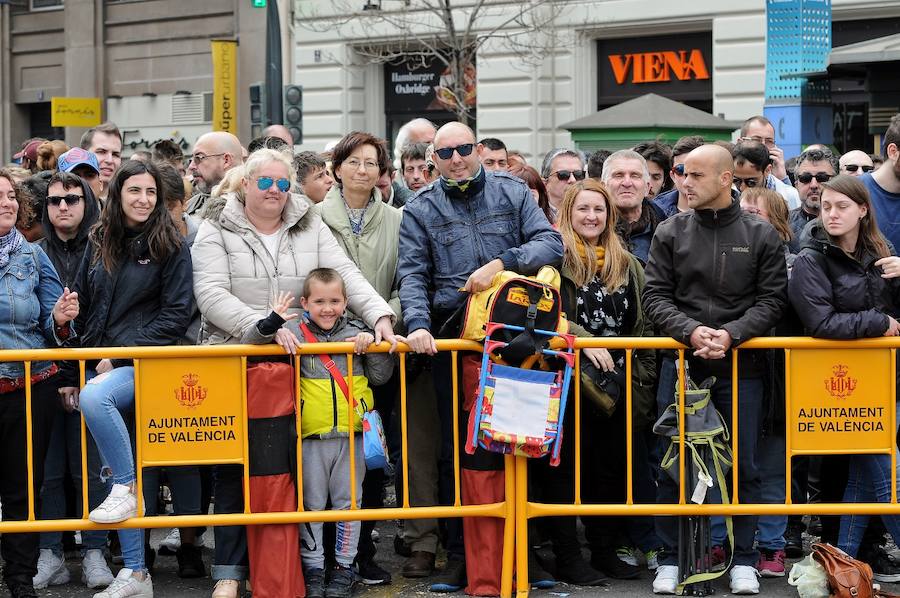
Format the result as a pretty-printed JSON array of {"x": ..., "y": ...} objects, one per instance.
[{"x": 35, "y": 312}]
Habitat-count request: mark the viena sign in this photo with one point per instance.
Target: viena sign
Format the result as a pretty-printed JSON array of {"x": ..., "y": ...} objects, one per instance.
[
  {"x": 656, "y": 67},
  {"x": 675, "y": 66}
]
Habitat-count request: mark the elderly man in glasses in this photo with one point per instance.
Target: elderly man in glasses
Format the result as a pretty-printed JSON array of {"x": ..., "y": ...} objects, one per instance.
[
  {"x": 214, "y": 154},
  {"x": 814, "y": 167},
  {"x": 456, "y": 234},
  {"x": 561, "y": 167},
  {"x": 626, "y": 176}
]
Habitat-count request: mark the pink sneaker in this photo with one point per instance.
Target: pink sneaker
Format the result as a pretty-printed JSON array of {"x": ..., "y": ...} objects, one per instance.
[
  {"x": 718, "y": 558},
  {"x": 771, "y": 563}
]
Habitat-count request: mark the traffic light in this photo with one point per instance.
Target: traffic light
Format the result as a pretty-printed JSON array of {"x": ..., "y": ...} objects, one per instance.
[
  {"x": 258, "y": 109},
  {"x": 293, "y": 111}
]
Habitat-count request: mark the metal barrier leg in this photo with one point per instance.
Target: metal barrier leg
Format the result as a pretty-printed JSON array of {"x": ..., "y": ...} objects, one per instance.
[
  {"x": 510, "y": 524},
  {"x": 521, "y": 516}
]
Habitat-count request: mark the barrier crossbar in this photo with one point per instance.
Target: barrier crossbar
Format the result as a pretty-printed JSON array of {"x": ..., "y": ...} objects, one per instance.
[{"x": 516, "y": 509}]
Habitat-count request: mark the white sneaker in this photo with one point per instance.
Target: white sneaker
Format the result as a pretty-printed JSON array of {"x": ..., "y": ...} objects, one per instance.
[
  {"x": 744, "y": 580},
  {"x": 666, "y": 579},
  {"x": 51, "y": 570},
  {"x": 121, "y": 504},
  {"x": 171, "y": 543},
  {"x": 126, "y": 584},
  {"x": 95, "y": 572}
]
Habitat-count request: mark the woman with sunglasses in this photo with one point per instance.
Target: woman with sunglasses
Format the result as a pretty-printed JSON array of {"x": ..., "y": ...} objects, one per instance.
[
  {"x": 256, "y": 244},
  {"x": 134, "y": 289},
  {"x": 845, "y": 284}
]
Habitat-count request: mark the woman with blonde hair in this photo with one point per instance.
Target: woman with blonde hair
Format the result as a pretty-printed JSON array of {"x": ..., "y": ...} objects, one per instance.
[
  {"x": 49, "y": 152},
  {"x": 601, "y": 295}
]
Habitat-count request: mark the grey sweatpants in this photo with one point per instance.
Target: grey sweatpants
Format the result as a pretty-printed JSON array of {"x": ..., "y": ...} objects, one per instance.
[{"x": 326, "y": 474}]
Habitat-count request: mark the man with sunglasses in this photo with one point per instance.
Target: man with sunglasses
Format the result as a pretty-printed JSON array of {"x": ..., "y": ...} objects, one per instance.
[
  {"x": 814, "y": 167},
  {"x": 561, "y": 167},
  {"x": 456, "y": 234},
  {"x": 856, "y": 163},
  {"x": 753, "y": 168},
  {"x": 214, "y": 154}
]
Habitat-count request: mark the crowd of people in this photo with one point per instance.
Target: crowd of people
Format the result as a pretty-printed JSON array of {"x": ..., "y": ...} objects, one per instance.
[{"x": 710, "y": 243}]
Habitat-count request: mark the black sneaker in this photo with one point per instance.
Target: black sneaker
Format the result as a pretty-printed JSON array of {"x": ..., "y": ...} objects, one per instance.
[
  {"x": 793, "y": 541},
  {"x": 340, "y": 584},
  {"x": 609, "y": 563},
  {"x": 371, "y": 573},
  {"x": 190, "y": 562},
  {"x": 884, "y": 567},
  {"x": 315, "y": 583},
  {"x": 402, "y": 548},
  {"x": 537, "y": 575},
  {"x": 452, "y": 578},
  {"x": 576, "y": 571},
  {"x": 22, "y": 591},
  {"x": 149, "y": 558}
]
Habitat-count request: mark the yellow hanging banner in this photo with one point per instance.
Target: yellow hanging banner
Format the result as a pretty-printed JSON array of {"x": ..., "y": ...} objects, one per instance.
[
  {"x": 75, "y": 112},
  {"x": 191, "y": 410},
  {"x": 224, "y": 59},
  {"x": 841, "y": 401}
]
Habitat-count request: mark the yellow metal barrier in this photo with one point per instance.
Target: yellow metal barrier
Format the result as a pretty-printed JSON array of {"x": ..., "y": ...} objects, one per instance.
[{"x": 845, "y": 369}]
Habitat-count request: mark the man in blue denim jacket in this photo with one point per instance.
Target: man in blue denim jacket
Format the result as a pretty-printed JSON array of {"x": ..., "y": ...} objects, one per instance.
[{"x": 455, "y": 235}]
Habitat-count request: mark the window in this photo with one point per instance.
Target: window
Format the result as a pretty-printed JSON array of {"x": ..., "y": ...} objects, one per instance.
[{"x": 46, "y": 4}]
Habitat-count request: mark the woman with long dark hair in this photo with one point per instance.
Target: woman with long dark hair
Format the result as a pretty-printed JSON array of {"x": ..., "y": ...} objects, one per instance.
[
  {"x": 844, "y": 285},
  {"x": 134, "y": 289}
]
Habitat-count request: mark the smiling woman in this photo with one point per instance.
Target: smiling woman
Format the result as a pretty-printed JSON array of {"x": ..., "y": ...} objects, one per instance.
[{"x": 35, "y": 312}]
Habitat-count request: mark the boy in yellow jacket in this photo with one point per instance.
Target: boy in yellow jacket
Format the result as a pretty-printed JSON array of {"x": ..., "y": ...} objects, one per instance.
[{"x": 325, "y": 428}]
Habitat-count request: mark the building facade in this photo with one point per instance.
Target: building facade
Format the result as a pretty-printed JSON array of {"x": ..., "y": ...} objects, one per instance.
[
  {"x": 148, "y": 60},
  {"x": 710, "y": 54}
]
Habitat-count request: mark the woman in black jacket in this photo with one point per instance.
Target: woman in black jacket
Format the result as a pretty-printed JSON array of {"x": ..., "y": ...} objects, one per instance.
[
  {"x": 134, "y": 288},
  {"x": 844, "y": 285}
]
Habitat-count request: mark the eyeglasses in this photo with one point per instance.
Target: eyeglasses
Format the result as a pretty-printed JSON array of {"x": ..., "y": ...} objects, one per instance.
[
  {"x": 821, "y": 177},
  {"x": 71, "y": 199},
  {"x": 564, "y": 175},
  {"x": 445, "y": 153},
  {"x": 855, "y": 167},
  {"x": 759, "y": 139},
  {"x": 750, "y": 182},
  {"x": 355, "y": 164},
  {"x": 197, "y": 158},
  {"x": 263, "y": 183},
  {"x": 678, "y": 169}
]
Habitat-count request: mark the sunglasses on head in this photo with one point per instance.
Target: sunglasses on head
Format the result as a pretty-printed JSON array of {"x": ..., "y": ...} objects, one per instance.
[
  {"x": 821, "y": 177},
  {"x": 264, "y": 182},
  {"x": 564, "y": 175},
  {"x": 445, "y": 153},
  {"x": 71, "y": 199},
  {"x": 855, "y": 167},
  {"x": 678, "y": 169}
]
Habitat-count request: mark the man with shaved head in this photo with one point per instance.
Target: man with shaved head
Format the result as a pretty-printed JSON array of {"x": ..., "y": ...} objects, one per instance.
[
  {"x": 856, "y": 163},
  {"x": 716, "y": 277},
  {"x": 214, "y": 154},
  {"x": 456, "y": 234}
]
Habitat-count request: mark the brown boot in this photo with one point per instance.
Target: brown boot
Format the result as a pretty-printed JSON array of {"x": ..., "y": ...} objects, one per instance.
[{"x": 420, "y": 564}]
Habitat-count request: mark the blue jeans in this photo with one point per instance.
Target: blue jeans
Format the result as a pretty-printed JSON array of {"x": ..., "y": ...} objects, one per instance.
[
  {"x": 750, "y": 399},
  {"x": 65, "y": 447},
  {"x": 230, "y": 561},
  {"x": 869, "y": 481},
  {"x": 102, "y": 405},
  {"x": 770, "y": 528}
]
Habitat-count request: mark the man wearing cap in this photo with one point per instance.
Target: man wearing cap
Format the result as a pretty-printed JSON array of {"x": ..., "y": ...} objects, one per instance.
[
  {"x": 82, "y": 163},
  {"x": 28, "y": 155}
]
